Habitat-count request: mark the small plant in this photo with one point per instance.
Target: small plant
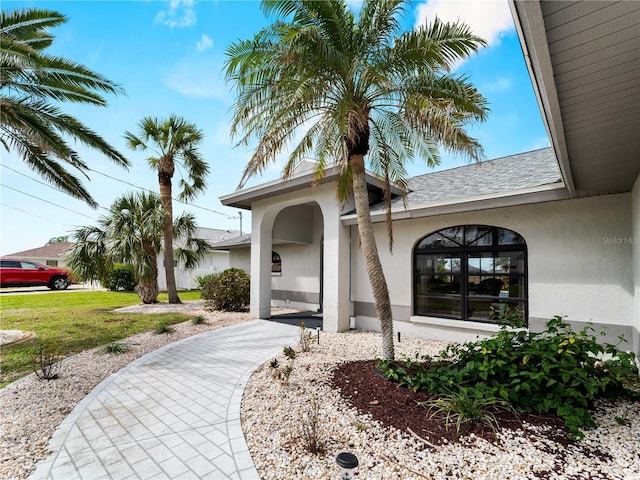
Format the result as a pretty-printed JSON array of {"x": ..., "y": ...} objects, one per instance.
[
  {"x": 274, "y": 364},
  {"x": 305, "y": 338},
  {"x": 467, "y": 406},
  {"x": 203, "y": 279},
  {"x": 199, "y": 320},
  {"x": 283, "y": 373},
  {"x": 46, "y": 359},
  {"x": 360, "y": 427},
  {"x": 227, "y": 291},
  {"x": 116, "y": 348},
  {"x": 622, "y": 419},
  {"x": 163, "y": 328},
  {"x": 310, "y": 427},
  {"x": 507, "y": 316}
]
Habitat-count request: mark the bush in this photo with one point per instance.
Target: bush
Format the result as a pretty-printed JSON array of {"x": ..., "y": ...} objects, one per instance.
[
  {"x": 163, "y": 328},
  {"x": 46, "y": 359},
  {"x": 121, "y": 277},
  {"x": 227, "y": 291},
  {"x": 557, "y": 371},
  {"x": 203, "y": 279},
  {"x": 116, "y": 348}
]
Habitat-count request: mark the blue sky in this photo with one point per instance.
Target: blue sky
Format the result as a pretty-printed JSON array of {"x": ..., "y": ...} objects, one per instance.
[{"x": 168, "y": 57}]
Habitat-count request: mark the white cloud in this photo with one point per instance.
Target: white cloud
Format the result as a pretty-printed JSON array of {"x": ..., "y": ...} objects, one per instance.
[
  {"x": 542, "y": 142},
  {"x": 204, "y": 43},
  {"x": 499, "y": 85},
  {"x": 179, "y": 14},
  {"x": 489, "y": 19},
  {"x": 197, "y": 79}
]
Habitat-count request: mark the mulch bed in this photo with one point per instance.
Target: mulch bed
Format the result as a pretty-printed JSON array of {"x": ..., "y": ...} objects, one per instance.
[{"x": 385, "y": 401}]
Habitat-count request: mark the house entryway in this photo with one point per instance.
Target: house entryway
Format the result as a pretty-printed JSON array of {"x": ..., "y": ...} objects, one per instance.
[{"x": 311, "y": 319}]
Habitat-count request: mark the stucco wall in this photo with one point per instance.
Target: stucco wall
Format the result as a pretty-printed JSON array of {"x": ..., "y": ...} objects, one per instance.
[
  {"x": 215, "y": 262},
  {"x": 577, "y": 266},
  {"x": 635, "y": 220},
  {"x": 240, "y": 258},
  {"x": 298, "y": 284}
]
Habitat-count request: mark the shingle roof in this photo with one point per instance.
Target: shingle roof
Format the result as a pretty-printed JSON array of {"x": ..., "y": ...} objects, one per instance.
[
  {"x": 240, "y": 241},
  {"x": 54, "y": 250},
  {"x": 215, "y": 235},
  {"x": 523, "y": 170}
]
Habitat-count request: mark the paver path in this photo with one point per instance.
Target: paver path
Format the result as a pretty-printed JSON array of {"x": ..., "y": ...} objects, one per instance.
[{"x": 173, "y": 413}]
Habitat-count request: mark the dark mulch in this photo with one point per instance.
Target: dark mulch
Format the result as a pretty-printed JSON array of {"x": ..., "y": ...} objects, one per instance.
[{"x": 360, "y": 383}]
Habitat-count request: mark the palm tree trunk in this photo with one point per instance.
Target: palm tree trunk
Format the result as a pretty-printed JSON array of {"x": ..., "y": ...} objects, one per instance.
[
  {"x": 148, "y": 291},
  {"x": 148, "y": 281},
  {"x": 370, "y": 254},
  {"x": 170, "y": 275}
]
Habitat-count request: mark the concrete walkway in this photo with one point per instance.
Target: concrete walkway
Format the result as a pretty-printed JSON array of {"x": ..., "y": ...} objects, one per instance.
[{"x": 173, "y": 413}]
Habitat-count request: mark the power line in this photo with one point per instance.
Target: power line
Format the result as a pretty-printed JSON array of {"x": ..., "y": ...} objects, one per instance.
[
  {"x": 38, "y": 216},
  {"x": 45, "y": 184},
  {"x": 229, "y": 217},
  {"x": 46, "y": 201}
]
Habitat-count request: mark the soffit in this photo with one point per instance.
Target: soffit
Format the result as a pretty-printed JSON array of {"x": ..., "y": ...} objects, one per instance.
[{"x": 585, "y": 58}]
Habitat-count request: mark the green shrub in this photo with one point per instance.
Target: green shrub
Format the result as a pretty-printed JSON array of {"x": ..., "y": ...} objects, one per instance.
[
  {"x": 116, "y": 348},
  {"x": 557, "y": 371},
  {"x": 162, "y": 328},
  {"x": 203, "y": 279},
  {"x": 199, "y": 320},
  {"x": 121, "y": 277},
  {"x": 465, "y": 406},
  {"x": 227, "y": 291}
]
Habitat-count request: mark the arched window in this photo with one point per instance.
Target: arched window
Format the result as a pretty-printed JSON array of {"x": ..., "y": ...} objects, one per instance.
[
  {"x": 276, "y": 264},
  {"x": 471, "y": 272}
]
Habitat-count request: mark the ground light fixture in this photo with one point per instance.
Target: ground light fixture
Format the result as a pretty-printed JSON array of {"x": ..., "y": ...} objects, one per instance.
[
  {"x": 347, "y": 462},
  {"x": 318, "y": 328}
]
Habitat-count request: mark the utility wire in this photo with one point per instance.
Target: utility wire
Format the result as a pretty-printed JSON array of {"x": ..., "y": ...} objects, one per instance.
[
  {"x": 46, "y": 201},
  {"x": 229, "y": 217},
  {"x": 45, "y": 184},
  {"x": 29, "y": 213}
]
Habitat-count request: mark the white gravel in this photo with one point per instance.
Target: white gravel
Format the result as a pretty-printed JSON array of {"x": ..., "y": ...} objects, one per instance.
[{"x": 272, "y": 414}]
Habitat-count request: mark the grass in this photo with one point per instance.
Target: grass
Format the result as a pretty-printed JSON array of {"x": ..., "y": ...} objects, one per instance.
[{"x": 77, "y": 321}]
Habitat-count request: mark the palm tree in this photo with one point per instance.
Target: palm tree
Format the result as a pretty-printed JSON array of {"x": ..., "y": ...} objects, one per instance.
[
  {"x": 132, "y": 232},
  {"x": 172, "y": 141},
  {"x": 31, "y": 81},
  {"x": 323, "y": 82}
]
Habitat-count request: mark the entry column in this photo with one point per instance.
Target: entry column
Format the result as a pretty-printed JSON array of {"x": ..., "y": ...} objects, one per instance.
[{"x": 336, "y": 306}]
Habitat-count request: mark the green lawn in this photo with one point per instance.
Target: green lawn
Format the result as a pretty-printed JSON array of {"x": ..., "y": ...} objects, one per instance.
[{"x": 76, "y": 320}]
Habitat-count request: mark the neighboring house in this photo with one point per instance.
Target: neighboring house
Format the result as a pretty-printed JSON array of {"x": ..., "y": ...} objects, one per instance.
[
  {"x": 51, "y": 255},
  {"x": 215, "y": 262},
  {"x": 555, "y": 231}
]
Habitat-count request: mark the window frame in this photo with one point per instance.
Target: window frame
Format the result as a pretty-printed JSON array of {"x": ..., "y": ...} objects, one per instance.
[
  {"x": 276, "y": 259},
  {"x": 464, "y": 252}
]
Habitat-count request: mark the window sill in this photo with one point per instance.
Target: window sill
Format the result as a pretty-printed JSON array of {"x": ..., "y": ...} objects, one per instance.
[{"x": 457, "y": 324}]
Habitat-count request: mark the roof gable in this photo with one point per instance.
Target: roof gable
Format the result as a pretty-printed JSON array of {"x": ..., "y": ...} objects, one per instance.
[{"x": 53, "y": 250}]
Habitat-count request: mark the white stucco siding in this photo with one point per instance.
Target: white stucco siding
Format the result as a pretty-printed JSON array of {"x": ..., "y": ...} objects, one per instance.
[
  {"x": 215, "y": 262},
  {"x": 240, "y": 258},
  {"x": 298, "y": 284},
  {"x": 573, "y": 269},
  {"x": 635, "y": 245}
]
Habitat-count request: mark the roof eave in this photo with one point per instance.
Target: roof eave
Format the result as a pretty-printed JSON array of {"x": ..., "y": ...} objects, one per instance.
[
  {"x": 244, "y": 198},
  {"x": 531, "y": 30},
  {"x": 523, "y": 196}
]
